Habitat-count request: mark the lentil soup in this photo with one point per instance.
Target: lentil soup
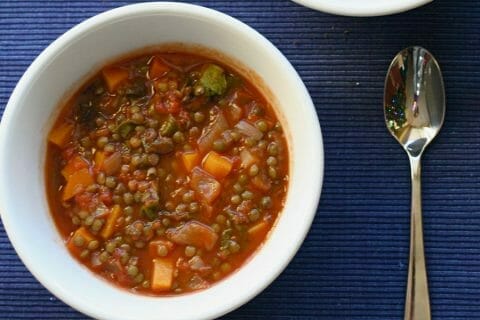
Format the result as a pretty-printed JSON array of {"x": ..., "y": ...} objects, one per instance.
[{"x": 165, "y": 172}]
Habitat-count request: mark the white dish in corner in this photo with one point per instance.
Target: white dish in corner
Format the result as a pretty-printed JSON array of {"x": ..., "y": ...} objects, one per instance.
[{"x": 362, "y": 8}]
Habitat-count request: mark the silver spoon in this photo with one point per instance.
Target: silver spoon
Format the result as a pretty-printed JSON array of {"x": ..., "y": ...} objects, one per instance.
[{"x": 414, "y": 105}]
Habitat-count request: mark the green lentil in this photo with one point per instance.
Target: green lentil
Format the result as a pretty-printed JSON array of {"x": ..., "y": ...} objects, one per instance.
[
  {"x": 166, "y": 222},
  {"x": 272, "y": 172},
  {"x": 86, "y": 142},
  {"x": 249, "y": 142},
  {"x": 116, "y": 137},
  {"x": 253, "y": 171},
  {"x": 124, "y": 258},
  {"x": 162, "y": 250},
  {"x": 93, "y": 245},
  {"x": 84, "y": 254},
  {"x": 160, "y": 231},
  {"x": 188, "y": 196},
  {"x": 247, "y": 195},
  {"x": 193, "y": 207},
  {"x": 266, "y": 202},
  {"x": 169, "y": 205},
  {"x": 216, "y": 227},
  {"x": 101, "y": 142},
  {"x": 82, "y": 214},
  {"x": 262, "y": 144},
  {"x": 138, "y": 118},
  {"x": 110, "y": 247},
  {"x": 243, "y": 179},
  {"x": 198, "y": 90},
  {"x": 181, "y": 207},
  {"x": 198, "y": 117},
  {"x": 262, "y": 125},
  {"x": 101, "y": 178},
  {"x": 128, "y": 210},
  {"x": 135, "y": 142},
  {"x": 89, "y": 220},
  {"x": 236, "y": 199},
  {"x": 236, "y": 136},
  {"x": 117, "y": 199},
  {"x": 128, "y": 198},
  {"x": 221, "y": 219},
  {"x": 225, "y": 267},
  {"x": 219, "y": 145},
  {"x": 233, "y": 246},
  {"x": 190, "y": 251},
  {"x": 237, "y": 187},
  {"x": 109, "y": 147},
  {"x": 76, "y": 220},
  {"x": 99, "y": 121},
  {"x": 110, "y": 182},
  {"x": 97, "y": 225},
  {"x": 78, "y": 241},
  {"x": 139, "y": 278},
  {"x": 153, "y": 159},
  {"x": 272, "y": 149},
  {"x": 272, "y": 161},
  {"x": 136, "y": 160},
  {"x": 132, "y": 271},
  {"x": 152, "y": 172},
  {"x": 139, "y": 244},
  {"x": 253, "y": 215},
  {"x": 178, "y": 137},
  {"x": 103, "y": 257}
]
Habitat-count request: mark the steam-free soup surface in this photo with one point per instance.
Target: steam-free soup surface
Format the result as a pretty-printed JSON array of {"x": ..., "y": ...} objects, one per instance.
[{"x": 166, "y": 172}]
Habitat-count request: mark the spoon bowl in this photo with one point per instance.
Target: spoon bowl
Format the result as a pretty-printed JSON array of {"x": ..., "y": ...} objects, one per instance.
[
  {"x": 414, "y": 99},
  {"x": 414, "y": 105}
]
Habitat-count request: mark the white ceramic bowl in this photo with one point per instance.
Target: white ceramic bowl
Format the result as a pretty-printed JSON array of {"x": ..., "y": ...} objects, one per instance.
[
  {"x": 362, "y": 8},
  {"x": 59, "y": 69}
]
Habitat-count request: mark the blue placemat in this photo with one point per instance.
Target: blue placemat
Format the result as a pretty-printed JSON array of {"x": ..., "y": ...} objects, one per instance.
[{"x": 353, "y": 264}]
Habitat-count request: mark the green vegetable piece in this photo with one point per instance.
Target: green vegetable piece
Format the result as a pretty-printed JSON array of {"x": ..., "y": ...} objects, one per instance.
[
  {"x": 125, "y": 128},
  {"x": 213, "y": 80},
  {"x": 150, "y": 210},
  {"x": 169, "y": 127}
]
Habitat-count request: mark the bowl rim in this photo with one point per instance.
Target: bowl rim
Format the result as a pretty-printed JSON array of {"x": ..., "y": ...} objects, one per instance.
[
  {"x": 49, "y": 53},
  {"x": 362, "y": 8}
]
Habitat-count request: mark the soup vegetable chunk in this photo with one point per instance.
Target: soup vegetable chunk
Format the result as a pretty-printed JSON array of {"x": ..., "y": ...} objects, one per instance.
[{"x": 165, "y": 172}]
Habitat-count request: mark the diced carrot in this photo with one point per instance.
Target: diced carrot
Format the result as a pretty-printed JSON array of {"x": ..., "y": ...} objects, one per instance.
[
  {"x": 258, "y": 230},
  {"x": 217, "y": 165},
  {"x": 83, "y": 233},
  {"x": 190, "y": 159},
  {"x": 99, "y": 159},
  {"x": 74, "y": 164},
  {"x": 153, "y": 246},
  {"x": 61, "y": 134},
  {"x": 157, "y": 68},
  {"x": 77, "y": 180},
  {"x": 109, "y": 226},
  {"x": 162, "y": 274},
  {"x": 114, "y": 76}
]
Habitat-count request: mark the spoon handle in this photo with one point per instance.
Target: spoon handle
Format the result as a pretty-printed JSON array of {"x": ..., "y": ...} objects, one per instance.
[{"x": 417, "y": 304}]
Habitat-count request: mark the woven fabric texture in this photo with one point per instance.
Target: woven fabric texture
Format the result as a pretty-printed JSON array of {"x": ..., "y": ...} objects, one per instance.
[{"x": 353, "y": 264}]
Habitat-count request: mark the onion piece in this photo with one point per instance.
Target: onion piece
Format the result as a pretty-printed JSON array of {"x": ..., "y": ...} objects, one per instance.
[
  {"x": 212, "y": 132},
  {"x": 248, "y": 130},
  {"x": 247, "y": 159},
  {"x": 193, "y": 233}
]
